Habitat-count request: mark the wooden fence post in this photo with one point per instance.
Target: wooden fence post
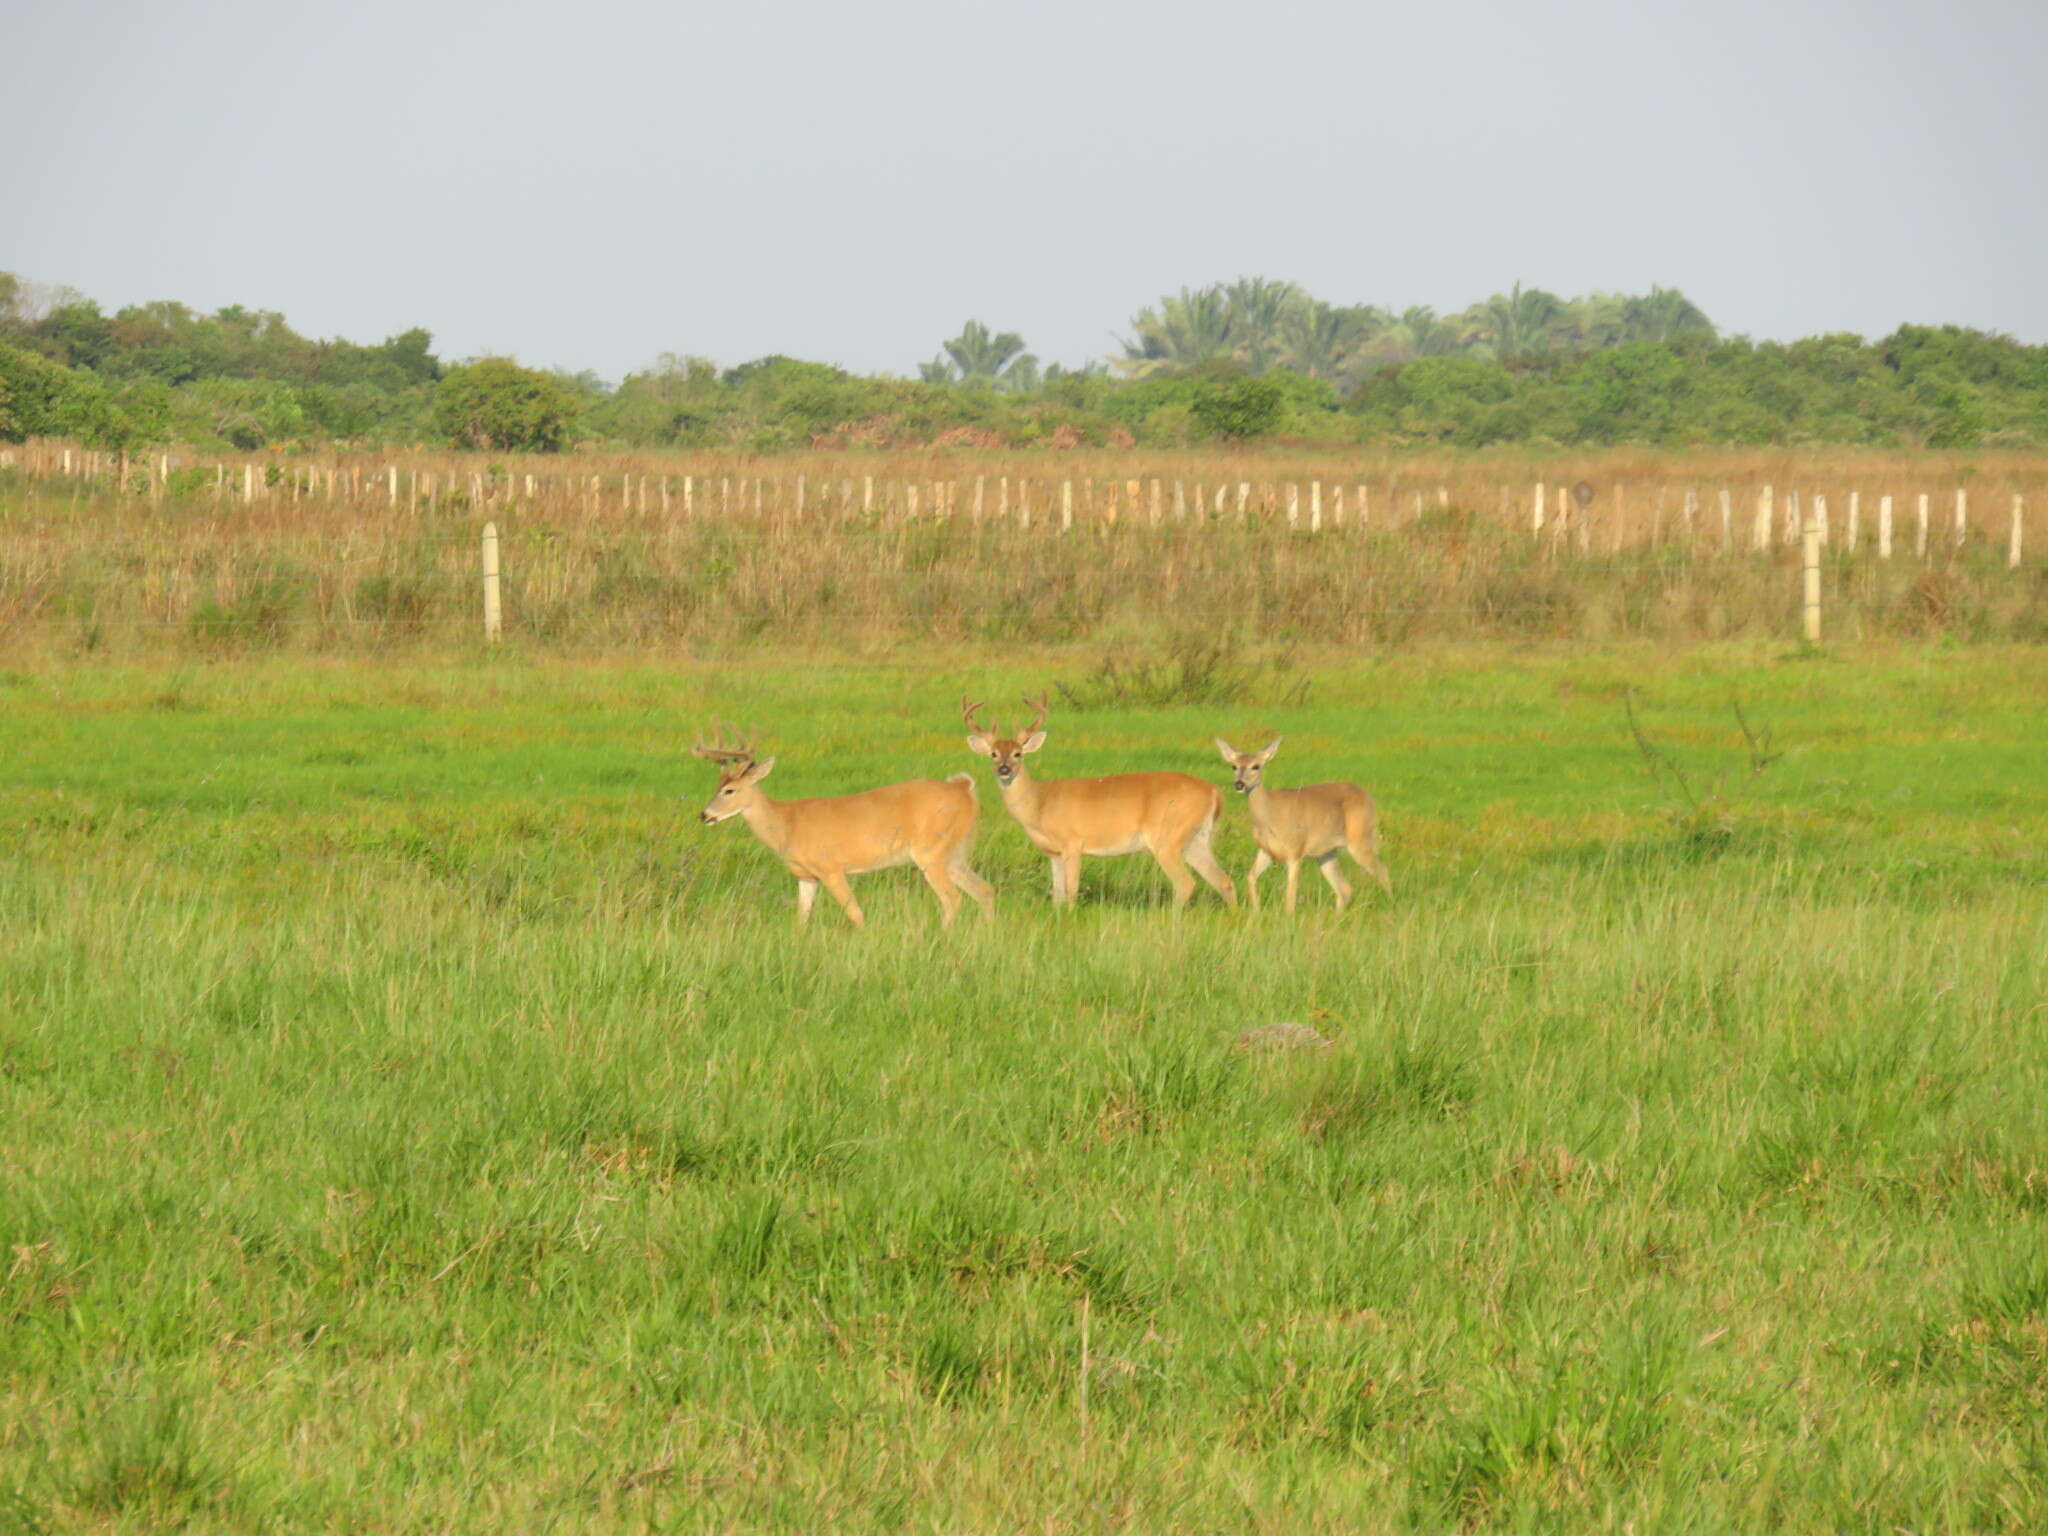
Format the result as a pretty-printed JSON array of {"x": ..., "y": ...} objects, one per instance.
[
  {"x": 1315, "y": 506},
  {"x": 1727, "y": 520},
  {"x": 1760, "y": 537},
  {"x": 2012, "y": 548},
  {"x": 1810, "y": 578},
  {"x": 1066, "y": 505},
  {"x": 1537, "y": 508},
  {"x": 1920, "y": 538},
  {"x": 391, "y": 477},
  {"x": 1884, "y": 527},
  {"x": 493, "y": 618},
  {"x": 1855, "y": 519},
  {"x": 1962, "y": 514}
]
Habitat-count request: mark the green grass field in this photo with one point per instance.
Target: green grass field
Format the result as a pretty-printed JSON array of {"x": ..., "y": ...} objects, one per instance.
[{"x": 411, "y": 1120}]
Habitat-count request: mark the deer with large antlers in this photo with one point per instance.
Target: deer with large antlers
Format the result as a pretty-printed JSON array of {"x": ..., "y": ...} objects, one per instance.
[
  {"x": 1169, "y": 815},
  {"x": 926, "y": 822},
  {"x": 1317, "y": 821}
]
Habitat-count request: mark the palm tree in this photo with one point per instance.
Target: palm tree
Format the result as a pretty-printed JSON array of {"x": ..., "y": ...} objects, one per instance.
[
  {"x": 1598, "y": 320},
  {"x": 1327, "y": 341},
  {"x": 1184, "y": 331},
  {"x": 1418, "y": 331},
  {"x": 1664, "y": 314},
  {"x": 1259, "y": 309},
  {"x": 982, "y": 357},
  {"x": 1519, "y": 323}
]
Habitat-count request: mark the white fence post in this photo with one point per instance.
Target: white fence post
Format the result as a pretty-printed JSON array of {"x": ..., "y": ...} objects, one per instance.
[
  {"x": 1810, "y": 574},
  {"x": 493, "y": 616},
  {"x": 2012, "y": 549},
  {"x": 1884, "y": 527}
]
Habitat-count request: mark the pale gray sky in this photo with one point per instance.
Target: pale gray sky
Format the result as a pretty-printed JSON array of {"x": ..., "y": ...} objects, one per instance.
[{"x": 589, "y": 185}]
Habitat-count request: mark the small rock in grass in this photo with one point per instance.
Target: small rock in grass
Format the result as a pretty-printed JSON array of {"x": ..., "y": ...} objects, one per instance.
[{"x": 1286, "y": 1036}]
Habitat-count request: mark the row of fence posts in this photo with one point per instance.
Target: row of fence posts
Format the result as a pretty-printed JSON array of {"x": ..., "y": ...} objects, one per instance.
[
  {"x": 1772, "y": 513},
  {"x": 1813, "y": 536},
  {"x": 1568, "y": 510}
]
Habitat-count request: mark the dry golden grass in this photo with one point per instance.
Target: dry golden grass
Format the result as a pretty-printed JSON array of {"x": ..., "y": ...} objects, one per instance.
[{"x": 643, "y": 549}]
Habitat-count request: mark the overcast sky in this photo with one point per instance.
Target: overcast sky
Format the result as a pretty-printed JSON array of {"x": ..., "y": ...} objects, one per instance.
[{"x": 590, "y": 185}]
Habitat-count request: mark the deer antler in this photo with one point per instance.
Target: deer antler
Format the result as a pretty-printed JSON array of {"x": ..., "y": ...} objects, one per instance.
[
  {"x": 1039, "y": 705},
  {"x": 967, "y": 714},
  {"x": 720, "y": 751}
]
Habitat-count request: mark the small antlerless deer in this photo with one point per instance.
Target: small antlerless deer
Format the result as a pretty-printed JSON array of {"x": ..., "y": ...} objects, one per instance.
[
  {"x": 1317, "y": 821},
  {"x": 1169, "y": 815},
  {"x": 926, "y": 822}
]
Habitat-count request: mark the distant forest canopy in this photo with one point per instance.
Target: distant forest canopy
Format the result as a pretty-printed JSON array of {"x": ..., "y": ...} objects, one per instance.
[{"x": 1251, "y": 360}]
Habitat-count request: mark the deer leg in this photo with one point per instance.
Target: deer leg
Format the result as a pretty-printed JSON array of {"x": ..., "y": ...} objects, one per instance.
[
  {"x": 968, "y": 881},
  {"x": 1293, "y": 881},
  {"x": 1176, "y": 868},
  {"x": 1203, "y": 858},
  {"x": 1260, "y": 865},
  {"x": 842, "y": 893},
  {"x": 941, "y": 881},
  {"x": 1328, "y": 865},
  {"x": 806, "y": 893},
  {"x": 1067, "y": 874}
]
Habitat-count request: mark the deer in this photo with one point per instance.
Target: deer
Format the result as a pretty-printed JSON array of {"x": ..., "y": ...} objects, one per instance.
[
  {"x": 926, "y": 822},
  {"x": 1169, "y": 815},
  {"x": 1316, "y": 821}
]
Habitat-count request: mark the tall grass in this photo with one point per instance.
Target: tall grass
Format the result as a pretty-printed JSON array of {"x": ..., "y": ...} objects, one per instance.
[
  {"x": 407, "y": 1120},
  {"x": 591, "y": 559}
]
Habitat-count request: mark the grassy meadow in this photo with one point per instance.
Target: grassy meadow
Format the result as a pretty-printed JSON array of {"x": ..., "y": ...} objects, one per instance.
[{"x": 412, "y": 1120}]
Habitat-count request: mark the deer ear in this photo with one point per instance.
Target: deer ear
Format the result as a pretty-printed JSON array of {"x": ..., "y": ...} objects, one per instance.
[
  {"x": 1032, "y": 742},
  {"x": 1271, "y": 747},
  {"x": 979, "y": 743},
  {"x": 759, "y": 771},
  {"x": 1229, "y": 752}
]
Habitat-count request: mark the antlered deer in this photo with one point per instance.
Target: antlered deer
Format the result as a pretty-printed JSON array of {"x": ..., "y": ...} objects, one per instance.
[
  {"x": 1169, "y": 815},
  {"x": 926, "y": 822},
  {"x": 1317, "y": 821}
]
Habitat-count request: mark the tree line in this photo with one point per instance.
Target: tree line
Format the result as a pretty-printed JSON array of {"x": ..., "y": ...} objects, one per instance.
[{"x": 1251, "y": 360}]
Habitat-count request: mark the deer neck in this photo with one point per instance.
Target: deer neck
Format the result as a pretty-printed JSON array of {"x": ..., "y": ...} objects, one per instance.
[
  {"x": 766, "y": 819},
  {"x": 1020, "y": 796},
  {"x": 1259, "y": 801}
]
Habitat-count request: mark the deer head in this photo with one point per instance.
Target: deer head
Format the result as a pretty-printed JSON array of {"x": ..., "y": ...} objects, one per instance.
[
  {"x": 738, "y": 774},
  {"x": 1006, "y": 752},
  {"x": 1249, "y": 765}
]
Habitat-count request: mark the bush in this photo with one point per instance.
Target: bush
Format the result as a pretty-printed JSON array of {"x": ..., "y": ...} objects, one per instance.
[
  {"x": 1240, "y": 409},
  {"x": 496, "y": 404}
]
